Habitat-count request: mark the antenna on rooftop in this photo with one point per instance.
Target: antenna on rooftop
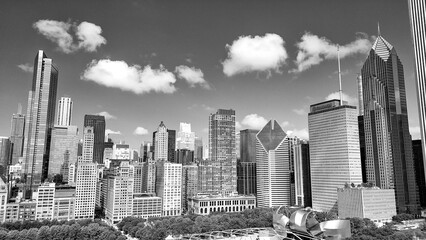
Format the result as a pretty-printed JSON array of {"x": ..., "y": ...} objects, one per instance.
[{"x": 340, "y": 77}]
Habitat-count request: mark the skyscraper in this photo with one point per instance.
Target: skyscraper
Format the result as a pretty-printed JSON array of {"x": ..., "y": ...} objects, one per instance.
[
  {"x": 273, "y": 166},
  {"x": 198, "y": 152},
  {"x": 64, "y": 111},
  {"x": 98, "y": 124},
  {"x": 4, "y": 155},
  {"x": 389, "y": 157},
  {"x": 420, "y": 173},
  {"x": 168, "y": 186},
  {"x": 40, "y": 120},
  {"x": 302, "y": 174},
  {"x": 417, "y": 10},
  {"x": 246, "y": 168},
  {"x": 222, "y": 151},
  {"x": 161, "y": 141},
  {"x": 185, "y": 139},
  {"x": 17, "y": 135},
  {"x": 334, "y": 151},
  {"x": 171, "y": 145}
]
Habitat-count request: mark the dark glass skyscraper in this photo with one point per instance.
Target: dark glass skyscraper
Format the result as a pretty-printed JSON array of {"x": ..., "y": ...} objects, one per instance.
[
  {"x": 98, "y": 124},
  {"x": 389, "y": 157},
  {"x": 420, "y": 172},
  {"x": 17, "y": 135},
  {"x": 246, "y": 168},
  {"x": 40, "y": 120}
]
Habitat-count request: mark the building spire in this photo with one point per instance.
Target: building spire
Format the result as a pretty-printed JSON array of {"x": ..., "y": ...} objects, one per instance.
[
  {"x": 378, "y": 29},
  {"x": 340, "y": 77}
]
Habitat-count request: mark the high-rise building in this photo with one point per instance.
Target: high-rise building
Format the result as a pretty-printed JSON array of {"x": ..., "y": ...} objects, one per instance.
[
  {"x": 120, "y": 193},
  {"x": 293, "y": 143},
  {"x": 184, "y": 156},
  {"x": 168, "y": 186},
  {"x": 138, "y": 177},
  {"x": 388, "y": 147},
  {"x": 185, "y": 139},
  {"x": 17, "y": 135},
  {"x": 420, "y": 173},
  {"x": 272, "y": 166},
  {"x": 4, "y": 155},
  {"x": 98, "y": 124},
  {"x": 40, "y": 119},
  {"x": 334, "y": 151},
  {"x": 417, "y": 10},
  {"x": 302, "y": 175},
  {"x": 146, "y": 151},
  {"x": 148, "y": 176},
  {"x": 64, "y": 111},
  {"x": 198, "y": 151},
  {"x": 189, "y": 183},
  {"x": 246, "y": 168},
  {"x": 86, "y": 179},
  {"x": 63, "y": 150},
  {"x": 222, "y": 151},
  {"x": 171, "y": 145},
  {"x": 160, "y": 140}
]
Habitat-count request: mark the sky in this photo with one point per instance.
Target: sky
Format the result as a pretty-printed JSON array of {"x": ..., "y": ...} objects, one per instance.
[{"x": 142, "y": 62}]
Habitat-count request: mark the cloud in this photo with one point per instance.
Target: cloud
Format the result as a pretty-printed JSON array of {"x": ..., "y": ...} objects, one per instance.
[
  {"x": 109, "y": 132},
  {"x": 238, "y": 125},
  {"x": 140, "y": 131},
  {"x": 117, "y": 74},
  {"x": 107, "y": 115},
  {"x": 285, "y": 124},
  {"x": 192, "y": 76},
  {"x": 300, "y": 111},
  {"x": 415, "y": 132},
  {"x": 254, "y": 121},
  {"x": 335, "y": 95},
  {"x": 313, "y": 50},
  {"x": 255, "y": 54},
  {"x": 300, "y": 133},
  {"x": 26, "y": 67},
  {"x": 88, "y": 35}
]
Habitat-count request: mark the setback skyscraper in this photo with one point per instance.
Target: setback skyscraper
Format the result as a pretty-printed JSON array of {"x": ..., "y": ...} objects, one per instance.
[
  {"x": 98, "y": 124},
  {"x": 388, "y": 147},
  {"x": 417, "y": 10},
  {"x": 39, "y": 122},
  {"x": 334, "y": 151},
  {"x": 64, "y": 111}
]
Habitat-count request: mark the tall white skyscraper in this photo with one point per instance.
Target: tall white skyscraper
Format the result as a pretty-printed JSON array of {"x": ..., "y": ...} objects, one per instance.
[
  {"x": 185, "y": 139},
  {"x": 64, "y": 111},
  {"x": 272, "y": 166},
  {"x": 161, "y": 142},
  {"x": 418, "y": 28},
  {"x": 334, "y": 151},
  {"x": 168, "y": 186},
  {"x": 86, "y": 179}
]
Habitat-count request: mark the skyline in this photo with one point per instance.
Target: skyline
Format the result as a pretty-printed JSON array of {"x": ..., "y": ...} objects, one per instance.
[{"x": 168, "y": 36}]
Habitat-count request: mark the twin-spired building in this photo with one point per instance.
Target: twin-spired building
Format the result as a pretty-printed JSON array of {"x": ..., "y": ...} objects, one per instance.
[{"x": 334, "y": 151}]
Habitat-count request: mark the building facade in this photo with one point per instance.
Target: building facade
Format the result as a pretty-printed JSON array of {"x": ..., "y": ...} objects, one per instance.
[
  {"x": 334, "y": 151},
  {"x": 64, "y": 111},
  {"x": 168, "y": 186},
  {"x": 388, "y": 147},
  {"x": 98, "y": 124},
  {"x": 40, "y": 120},
  {"x": 204, "y": 205},
  {"x": 419, "y": 168},
  {"x": 189, "y": 183},
  {"x": 147, "y": 205},
  {"x": 185, "y": 138},
  {"x": 246, "y": 168},
  {"x": 17, "y": 135}
]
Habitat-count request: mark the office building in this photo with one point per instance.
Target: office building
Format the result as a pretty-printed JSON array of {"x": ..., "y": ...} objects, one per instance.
[
  {"x": 3, "y": 200},
  {"x": 204, "y": 205},
  {"x": 138, "y": 177},
  {"x": 147, "y": 205},
  {"x": 171, "y": 145},
  {"x": 17, "y": 135},
  {"x": 246, "y": 167},
  {"x": 4, "y": 155},
  {"x": 64, "y": 111},
  {"x": 198, "y": 149},
  {"x": 419, "y": 168},
  {"x": 293, "y": 143},
  {"x": 184, "y": 156},
  {"x": 146, "y": 151},
  {"x": 272, "y": 166},
  {"x": 86, "y": 178},
  {"x": 63, "y": 150},
  {"x": 98, "y": 124},
  {"x": 417, "y": 9},
  {"x": 333, "y": 150},
  {"x": 302, "y": 175},
  {"x": 185, "y": 139},
  {"x": 388, "y": 147},
  {"x": 160, "y": 140},
  {"x": 168, "y": 186},
  {"x": 374, "y": 203},
  {"x": 119, "y": 202},
  {"x": 121, "y": 151},
  {"x": 222, "y": 152},
  {"x": 148, "y": 176},
  {"x": 189, "y": 183},
  {"x": 39, "y": 122},
  {"x": 45, "y": 201}
]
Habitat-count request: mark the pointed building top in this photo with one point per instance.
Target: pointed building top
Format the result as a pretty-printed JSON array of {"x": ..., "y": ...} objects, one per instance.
[
  {"x": 378, "y": 29},
  {"x": 382, "y": 48},
  {"x": 271, "y": 135}
]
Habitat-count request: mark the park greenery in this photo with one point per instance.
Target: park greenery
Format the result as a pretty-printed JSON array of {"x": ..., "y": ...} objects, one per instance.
[{"x": 58, "y": 230}]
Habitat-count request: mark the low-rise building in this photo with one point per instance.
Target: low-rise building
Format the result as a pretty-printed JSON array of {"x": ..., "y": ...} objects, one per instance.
[
  {"x": 204, "y": 205},
  {"x": 64, "y": 203},
  {"x": 366, "y": 202},
  {"x": 146, "y": 205},
  {"x": 45, "y": 199}
]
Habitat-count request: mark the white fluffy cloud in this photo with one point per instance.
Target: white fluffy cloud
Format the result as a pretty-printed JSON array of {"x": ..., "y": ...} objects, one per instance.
[
  {"x": 313, "y": 50},
  {"x": 300, "y": 133},
  {"x": 335, "y": 95},
  {"x": 254, "y": 121},
  {"x": 117, "y": 74},
  {"x": 300, "y": 111},
  {"x": 192, "y": 76},
  {"x": 258, "y": 53},
  {"x": 107, "y": 115},
  {"x": 88, "y": 35},
  {"x": 26, "y": 67},
  {"x": 109, "y": 132},
  {"x": 238, "y": 125},
  {"x": 140, "y": 131}
]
